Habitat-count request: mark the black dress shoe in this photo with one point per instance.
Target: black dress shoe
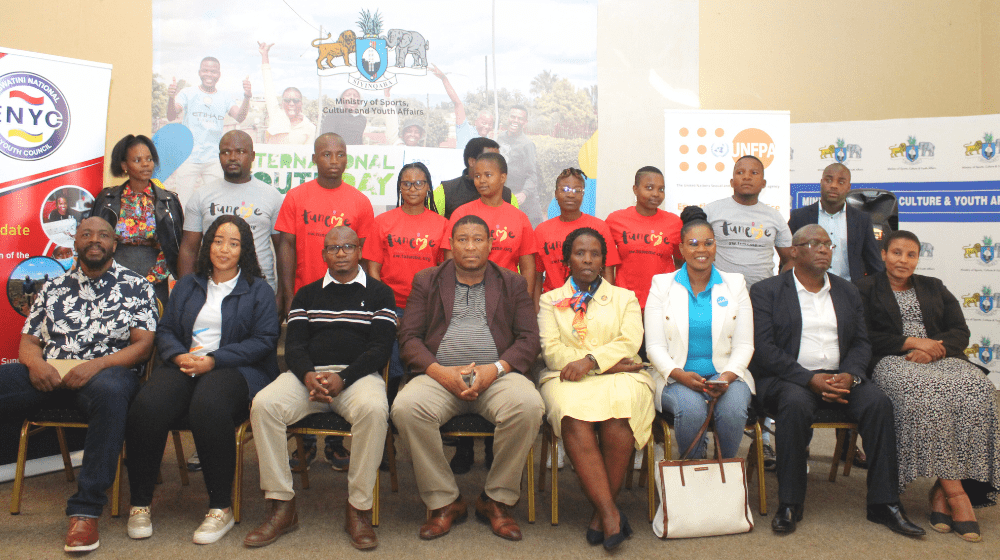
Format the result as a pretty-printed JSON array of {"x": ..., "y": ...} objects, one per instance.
[
  {"x": 893, "y": 517},
  {"x": 786, "y": 517}
]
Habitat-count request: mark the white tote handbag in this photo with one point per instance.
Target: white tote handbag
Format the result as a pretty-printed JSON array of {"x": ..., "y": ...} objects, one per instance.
[{"x": 702, "y": 498}]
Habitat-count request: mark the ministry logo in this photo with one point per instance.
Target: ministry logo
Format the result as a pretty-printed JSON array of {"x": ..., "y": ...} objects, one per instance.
[
  {"x": 911, "y": 151},
  {"x": 985, "y": 148},
  {"x": 986, "y": 301},
  {"x": 985, "y": 252},
  {"x": 841, "y": 151}
]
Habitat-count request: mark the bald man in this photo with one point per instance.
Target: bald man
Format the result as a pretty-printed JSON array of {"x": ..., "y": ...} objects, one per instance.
[
  {"x": 240, "y": 194},
  {"x": 857, "y": 253},
  {"x": 811, "y": 352},
  {"x": 340, "y": 334}
]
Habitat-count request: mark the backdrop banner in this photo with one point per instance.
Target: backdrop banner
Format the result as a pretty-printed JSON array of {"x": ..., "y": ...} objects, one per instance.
[
  {"x": 395, "y": 79},
  {"x": 945, "y": 175},
  {"x": 701, "y": 147}
]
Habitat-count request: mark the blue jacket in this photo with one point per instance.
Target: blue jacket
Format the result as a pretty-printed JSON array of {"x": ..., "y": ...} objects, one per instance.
[{"x": 250, "y": 328}]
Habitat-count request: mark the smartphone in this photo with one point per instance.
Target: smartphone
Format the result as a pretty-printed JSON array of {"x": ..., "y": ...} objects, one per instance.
[{"x": 715, "y": 382}]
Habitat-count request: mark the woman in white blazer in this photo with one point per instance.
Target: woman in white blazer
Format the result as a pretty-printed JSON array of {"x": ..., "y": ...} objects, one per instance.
[{"x": 699, "y": 339}]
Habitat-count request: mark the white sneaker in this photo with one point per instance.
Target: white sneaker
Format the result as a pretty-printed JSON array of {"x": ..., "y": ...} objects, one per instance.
[
  {"x": 217, "y": 523},
  {"x": 140, "y": 524},
  {"x": 562, "y": 456}
]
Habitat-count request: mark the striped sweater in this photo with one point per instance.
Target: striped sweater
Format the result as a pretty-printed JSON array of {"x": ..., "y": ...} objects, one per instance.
[{"x": 342, "y": 324}]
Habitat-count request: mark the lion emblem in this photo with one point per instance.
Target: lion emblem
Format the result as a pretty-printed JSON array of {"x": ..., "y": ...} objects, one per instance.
[{"x": 328, "y": 51}]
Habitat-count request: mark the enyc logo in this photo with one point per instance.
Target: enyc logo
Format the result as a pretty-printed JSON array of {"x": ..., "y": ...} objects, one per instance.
[
  {"x": 35, "y": 117},
  {"x": 400, "y": 50},
  {"x": 841, "y": 151},
  {"x": 986, "y": 301},
  {"x": 985, "y": 148},
  {"x": 985, "y": 252}
]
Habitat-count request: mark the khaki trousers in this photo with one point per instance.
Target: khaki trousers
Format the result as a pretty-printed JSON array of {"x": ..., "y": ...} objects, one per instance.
[
  {"x": 286, "y": 401},
  {"x": 512, "y": 404}
]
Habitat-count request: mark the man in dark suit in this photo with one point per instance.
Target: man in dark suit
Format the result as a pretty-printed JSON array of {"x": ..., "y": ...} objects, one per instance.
[
  {"x": 857, "y": 252},
  {"x": 811, "y": 351},
  {"x": 469, "y": 332}
]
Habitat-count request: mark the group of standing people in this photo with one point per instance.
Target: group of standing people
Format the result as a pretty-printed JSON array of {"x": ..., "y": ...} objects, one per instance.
[{"x": 641, "y": 312}]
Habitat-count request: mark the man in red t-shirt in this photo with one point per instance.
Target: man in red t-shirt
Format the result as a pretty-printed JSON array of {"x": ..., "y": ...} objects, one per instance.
[
  {"x": 310, "y": 210},
  {"x": 550, "y": 235}
]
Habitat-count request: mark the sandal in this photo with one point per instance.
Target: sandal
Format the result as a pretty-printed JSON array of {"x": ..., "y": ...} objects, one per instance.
[
  {"x": 968, "y": 530},
  {"x": 940, "y": 521}
]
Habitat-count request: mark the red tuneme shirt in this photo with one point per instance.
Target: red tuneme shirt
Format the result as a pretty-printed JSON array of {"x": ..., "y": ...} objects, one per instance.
[
  {"x": 510, "y": 228},
  {"x": 645, "y": 245},
  {"x": 550, "y": 235},
  {"x": 404, "y": 245}
]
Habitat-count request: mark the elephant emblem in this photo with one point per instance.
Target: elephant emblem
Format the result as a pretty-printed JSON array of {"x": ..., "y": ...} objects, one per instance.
[{"x": 408, "y": 42}]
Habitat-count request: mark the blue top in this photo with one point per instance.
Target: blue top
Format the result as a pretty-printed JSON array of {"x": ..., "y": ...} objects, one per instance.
[{"x": 699, "y": 355}]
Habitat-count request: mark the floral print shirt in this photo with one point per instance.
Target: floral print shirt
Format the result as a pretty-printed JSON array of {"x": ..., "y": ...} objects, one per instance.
[
  {"x": 137, "y": 226},
  {"x": 80, "y": 318}
]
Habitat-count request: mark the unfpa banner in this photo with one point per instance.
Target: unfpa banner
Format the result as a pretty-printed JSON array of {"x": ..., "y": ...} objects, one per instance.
[
  {"x": 53, "y": 116},
  {"x": 944, "y": 178},
  {"x": 701, "y": 148}
]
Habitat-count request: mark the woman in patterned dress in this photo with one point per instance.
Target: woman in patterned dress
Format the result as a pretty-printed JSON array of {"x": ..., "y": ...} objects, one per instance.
[{"x": 947, "y": 424}]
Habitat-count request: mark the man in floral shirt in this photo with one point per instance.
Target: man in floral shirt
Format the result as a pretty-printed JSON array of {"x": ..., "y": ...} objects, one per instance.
[{"x": 103, "y": 316}]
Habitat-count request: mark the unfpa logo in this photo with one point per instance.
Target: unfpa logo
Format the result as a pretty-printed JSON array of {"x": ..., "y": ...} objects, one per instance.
[
  {"x": 754, "y": 142},
  {"x": 34, "y": 116}
]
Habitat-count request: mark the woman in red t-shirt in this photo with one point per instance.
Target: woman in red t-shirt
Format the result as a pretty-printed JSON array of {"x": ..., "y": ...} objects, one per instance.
[
  {"x": 648, "y": 239},
  {"x": 407, "y": 240}
]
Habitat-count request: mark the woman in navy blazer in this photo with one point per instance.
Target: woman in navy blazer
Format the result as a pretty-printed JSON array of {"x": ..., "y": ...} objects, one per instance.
[
  {"x": 218, "y": 340},
  {"x": 699, "y": 338}
]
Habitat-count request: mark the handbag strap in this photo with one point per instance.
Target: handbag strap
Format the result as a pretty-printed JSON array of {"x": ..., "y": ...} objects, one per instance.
[{"x": 701, "y": 432}]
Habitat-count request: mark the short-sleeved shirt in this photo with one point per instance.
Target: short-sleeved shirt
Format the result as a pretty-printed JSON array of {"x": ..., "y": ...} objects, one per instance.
[
  {"x": 510, "y": 229},
  {"x": 310, "y": 211},
  {"x": 745, "y": 237},
  {"x": 404, "y": 245},
  {"x": 254, "y": 201},
  {"x": 204, "y": 114},
  {"x": 549, "y": 237},
  {"x": 647, "y": 246},
  {"x": 80, "y": 318}
]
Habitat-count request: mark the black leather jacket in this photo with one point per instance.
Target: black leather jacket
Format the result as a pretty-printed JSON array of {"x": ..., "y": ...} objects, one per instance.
[{"x": 169, "y": 218}]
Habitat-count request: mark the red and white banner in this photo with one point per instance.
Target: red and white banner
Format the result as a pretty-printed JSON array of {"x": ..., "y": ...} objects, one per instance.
[{"x": 53, "y": 120}]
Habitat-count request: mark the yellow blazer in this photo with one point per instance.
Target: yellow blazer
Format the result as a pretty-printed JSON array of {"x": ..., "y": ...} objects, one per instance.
[{"x": 614, "y": 331}]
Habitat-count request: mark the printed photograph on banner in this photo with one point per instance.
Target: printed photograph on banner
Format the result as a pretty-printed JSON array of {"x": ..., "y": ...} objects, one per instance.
[
  {"x": 702, "y": 148},
  {"x": 396, "y": 80},
  {"x": 27, "y": 279}
]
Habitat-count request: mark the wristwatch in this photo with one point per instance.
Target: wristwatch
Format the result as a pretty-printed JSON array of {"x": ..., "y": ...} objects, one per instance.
[
  {"x": 593, "y": 359},
  {"x": 856, "y": 380},
  {"x": 500, "y": 371}
]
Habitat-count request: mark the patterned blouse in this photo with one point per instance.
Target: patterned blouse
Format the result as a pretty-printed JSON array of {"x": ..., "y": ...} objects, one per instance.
[
  {"x": 137, "y": 226},
  {"x": 80, "y": 318}
]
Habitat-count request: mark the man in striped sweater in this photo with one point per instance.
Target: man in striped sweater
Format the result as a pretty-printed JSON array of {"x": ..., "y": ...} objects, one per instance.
[{"x": 340, "y": 334}]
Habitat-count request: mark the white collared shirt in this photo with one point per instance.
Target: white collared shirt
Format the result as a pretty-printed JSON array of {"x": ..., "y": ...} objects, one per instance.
[
  {"x": 361, "y": 278},
  {"x": 206, "y": 334},
  {"x": 836, "y": 227},
  {"x": 819, "y": 348}
]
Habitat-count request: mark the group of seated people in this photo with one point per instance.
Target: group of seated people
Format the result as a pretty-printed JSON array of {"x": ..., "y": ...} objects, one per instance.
[{"x": 590, "y": 325}]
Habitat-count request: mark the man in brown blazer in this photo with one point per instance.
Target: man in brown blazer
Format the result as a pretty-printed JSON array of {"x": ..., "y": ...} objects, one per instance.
[{"x": 469, "y": 332}]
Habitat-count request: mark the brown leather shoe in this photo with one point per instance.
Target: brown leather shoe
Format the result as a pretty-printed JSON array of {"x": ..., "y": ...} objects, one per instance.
[
  {"x": 441, "y": 519},
  {"x": 358, "y": 525},
  {"x": 498, "y": 516},
  {"x": 82, "y": 534},
  {"x": 281, "y": 519}
]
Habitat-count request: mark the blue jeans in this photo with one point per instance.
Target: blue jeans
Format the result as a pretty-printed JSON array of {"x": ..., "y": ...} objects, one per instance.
[
  {"x": 691, "y": 407},
  {"x": 104, "y": 400},
  {"x": 396, "y": 367}
]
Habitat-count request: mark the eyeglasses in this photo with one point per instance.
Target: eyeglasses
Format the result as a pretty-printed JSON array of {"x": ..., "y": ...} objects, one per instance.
[
  {"x": 291, "y": 100},
  {"x": 334, "y": 249},
  {"x": 816, "y": 243},
  {"x": 412, "y": 185},
  {"x": 703, "y": 242},
  {"x": 571, "y": 190}
]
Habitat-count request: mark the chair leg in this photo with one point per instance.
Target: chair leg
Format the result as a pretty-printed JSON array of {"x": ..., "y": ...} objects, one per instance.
[
  {"x": 531, "y": 484},
  {"x": 181, "y": 461},
  {"x": 64, "y": 449},
  {"x": 554, "y": 452},
  {"x": 303, "y": 467},
  {"x": 391, "y": 450},
  {"x": 837, "y": 450},
  {"x": 759, "y": 461},
  {"x": 852, "y": 451},
  {"x": 375, "y": 498},
  {"x": 628, "y": 474},
  {"x": 241, "y": 439},
  {"x": 643, "y": 469},
  {"x": 116, "y": 488},
  {"x": 649, "y": 465},
  {"x": 22, "y": 457}
]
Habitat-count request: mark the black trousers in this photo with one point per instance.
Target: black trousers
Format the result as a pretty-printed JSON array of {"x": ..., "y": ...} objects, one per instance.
[
  {"x": 213, "y": 403},
  {"x": 794, "y": 406}
]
